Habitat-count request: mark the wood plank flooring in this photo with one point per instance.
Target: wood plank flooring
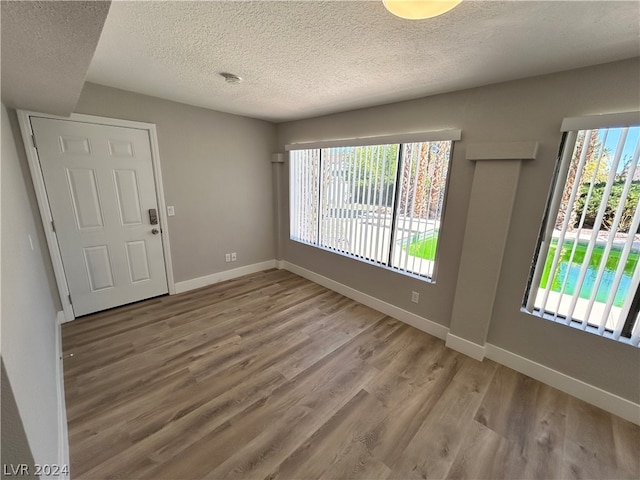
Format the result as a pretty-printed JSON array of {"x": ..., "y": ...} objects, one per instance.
[{"x": 271, "y": 376}]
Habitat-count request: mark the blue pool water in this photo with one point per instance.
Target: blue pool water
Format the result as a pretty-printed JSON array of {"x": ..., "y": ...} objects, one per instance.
[{"x": 571, "y": 271}]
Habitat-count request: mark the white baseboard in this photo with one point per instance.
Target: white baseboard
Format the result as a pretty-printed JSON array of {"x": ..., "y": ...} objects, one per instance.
[
  {"x": 67, "y": 316},
  {"x": 466, "y": 347},
  {"x": 63, "y": 434},
  {"x": 416, "y": 321},
  {"x": 596, "y": 396},
  {"x": 225, "y": 275}
]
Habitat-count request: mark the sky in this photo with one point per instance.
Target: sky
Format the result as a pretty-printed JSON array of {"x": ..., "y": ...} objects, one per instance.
[{"x": 633, "y": 137}]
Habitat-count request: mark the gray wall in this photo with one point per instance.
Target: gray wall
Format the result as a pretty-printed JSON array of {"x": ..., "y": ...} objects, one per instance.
[
  {"x": 14, "y": 450},
  {"x": 524, "y": 110},
  {"x": 216, "y": 171},
  {"x": 29, "y": 306}
]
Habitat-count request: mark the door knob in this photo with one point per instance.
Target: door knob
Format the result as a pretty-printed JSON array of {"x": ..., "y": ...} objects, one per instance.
[{"x": 155, "y": 231}]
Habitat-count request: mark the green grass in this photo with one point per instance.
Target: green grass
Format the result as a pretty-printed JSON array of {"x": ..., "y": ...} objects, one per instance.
[{"x": 424, "y": 247}]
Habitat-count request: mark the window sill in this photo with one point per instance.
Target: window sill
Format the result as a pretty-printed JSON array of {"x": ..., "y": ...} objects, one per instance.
[{"x": 424, "y": 278}]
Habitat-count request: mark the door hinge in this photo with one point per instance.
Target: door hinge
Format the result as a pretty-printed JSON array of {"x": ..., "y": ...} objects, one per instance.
[
  {"x": 33, "y": 141},
  {"x": 53, "y": 226},
  {"x": 69, "y": 296}
]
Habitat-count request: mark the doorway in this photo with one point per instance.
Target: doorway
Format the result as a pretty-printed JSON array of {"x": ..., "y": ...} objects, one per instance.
[{"x": 99, "y": 189}]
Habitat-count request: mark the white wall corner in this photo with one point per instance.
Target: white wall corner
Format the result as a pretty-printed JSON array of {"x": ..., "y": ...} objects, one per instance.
[
  {"x": 416, "y": 321},
  {"x": 200, "y": 282},
  {"x": 591, "y": 394},
  {"x": 63, "y": 434},
  {"x": 470, "y": 349}
]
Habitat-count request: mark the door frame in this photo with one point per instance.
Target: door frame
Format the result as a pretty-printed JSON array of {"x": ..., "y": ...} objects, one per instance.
[{"x": 33, "y": 158}]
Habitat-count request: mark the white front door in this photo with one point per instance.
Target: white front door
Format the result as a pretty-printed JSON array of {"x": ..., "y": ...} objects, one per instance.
[{"x": 100, "y": 185}]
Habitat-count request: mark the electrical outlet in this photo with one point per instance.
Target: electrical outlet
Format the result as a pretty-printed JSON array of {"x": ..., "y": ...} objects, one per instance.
[
  {"x": 171, "y": 211},
  {"x": 415, "y": 297},
  {"x": 234, "y": 257},
  {"x": 227, "y": 257}
]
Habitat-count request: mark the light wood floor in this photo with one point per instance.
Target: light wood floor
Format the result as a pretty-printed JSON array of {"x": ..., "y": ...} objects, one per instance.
[{"x": 272, "y": 376}]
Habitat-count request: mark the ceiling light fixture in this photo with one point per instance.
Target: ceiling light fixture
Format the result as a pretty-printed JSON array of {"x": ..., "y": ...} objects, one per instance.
[
  {"x": 419, "y": 9},
  {"x": 230, "y": 77}
]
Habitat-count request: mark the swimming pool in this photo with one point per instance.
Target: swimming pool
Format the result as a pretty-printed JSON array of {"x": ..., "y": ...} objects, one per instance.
[{"x": 571, "y": 271}]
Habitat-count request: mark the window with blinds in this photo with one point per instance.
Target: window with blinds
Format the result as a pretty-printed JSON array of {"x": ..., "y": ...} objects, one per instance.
[
  {"x": 586, "y": 271},
  {"x": 378, "y": 203}
]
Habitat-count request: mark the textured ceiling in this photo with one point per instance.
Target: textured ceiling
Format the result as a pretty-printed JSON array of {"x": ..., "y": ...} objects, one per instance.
[
  {"x": 46, "y": 51},
  {"x": 303, "y": 59}
]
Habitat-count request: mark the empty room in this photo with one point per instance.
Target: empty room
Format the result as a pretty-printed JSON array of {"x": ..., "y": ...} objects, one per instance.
[{"x": 320, "y": 239}]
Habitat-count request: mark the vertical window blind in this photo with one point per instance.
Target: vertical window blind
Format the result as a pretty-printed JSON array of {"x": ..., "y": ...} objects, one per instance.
[
  {"x": 381, "y": 203},
  {"x": 304, "y": 200},
  {"x": 357, "y": 196},
  {"x": 586, "y": 272},
  {"x": 421, "y": 200}
]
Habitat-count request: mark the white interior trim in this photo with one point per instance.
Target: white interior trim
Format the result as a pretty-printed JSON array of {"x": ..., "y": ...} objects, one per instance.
[
  {"x": 502, "y": 151},
  {"x": 596, "y": 396},
  {"x": 162, "y": 207},
  {"x": 63, "y": 434},
  {"x": 43, "y": 201},
  {"x": 462, "y": 345},
  {"x": 427, "y": 326},
  {"x": 200, "y": 282},
  {"x": 45, "y": 212},
  {"x": 608, "y": 120},
  {"x": 439, "y": 136}
]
